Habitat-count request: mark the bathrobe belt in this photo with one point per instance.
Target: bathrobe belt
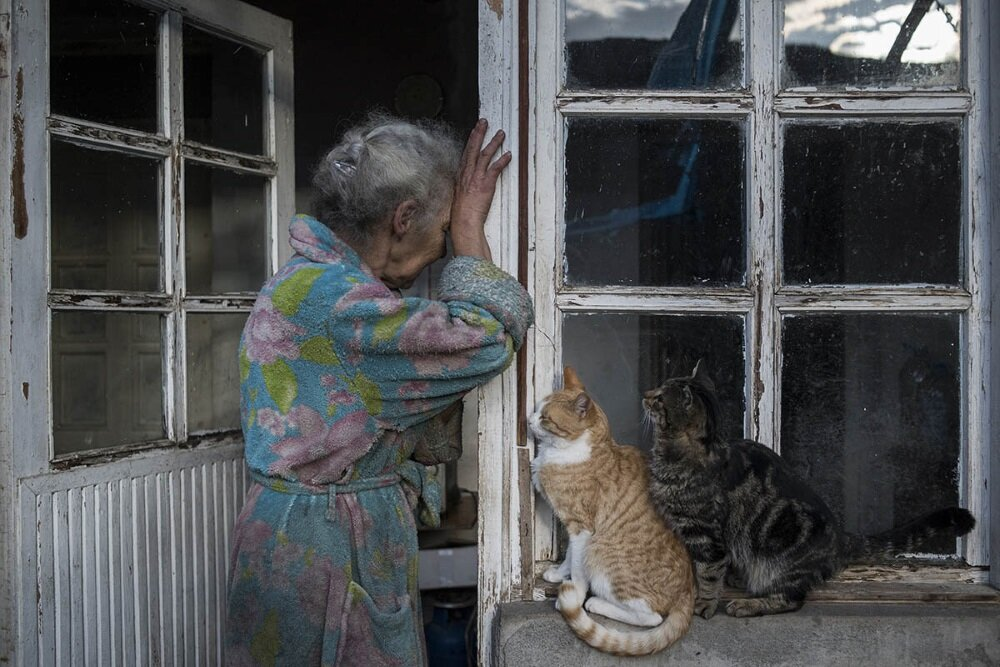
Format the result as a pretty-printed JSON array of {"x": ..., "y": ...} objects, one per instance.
[{"x": 420, "y": 487}]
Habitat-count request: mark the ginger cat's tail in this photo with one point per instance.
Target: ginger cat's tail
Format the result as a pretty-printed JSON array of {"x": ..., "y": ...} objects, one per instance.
[{"x": 616, "y": 642}]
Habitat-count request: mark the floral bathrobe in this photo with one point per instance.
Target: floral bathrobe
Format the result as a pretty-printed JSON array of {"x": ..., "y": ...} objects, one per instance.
[{"x": 343, "y": 385}]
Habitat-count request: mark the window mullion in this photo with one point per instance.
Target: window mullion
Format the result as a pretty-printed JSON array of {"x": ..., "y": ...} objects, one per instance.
[
  {"x": 172, "y": 110},
  {"x": 763, "y": 333},
  {"x": 976, "y": 335}
]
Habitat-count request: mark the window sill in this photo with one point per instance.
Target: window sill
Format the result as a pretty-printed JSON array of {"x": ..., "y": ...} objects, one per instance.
[
  {"x": 889, "y": 623},
  {"x": 903, "y": 582}
]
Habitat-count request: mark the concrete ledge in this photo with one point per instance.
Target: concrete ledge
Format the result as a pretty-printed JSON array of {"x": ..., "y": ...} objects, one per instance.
[{"x": 533, "y": 634}]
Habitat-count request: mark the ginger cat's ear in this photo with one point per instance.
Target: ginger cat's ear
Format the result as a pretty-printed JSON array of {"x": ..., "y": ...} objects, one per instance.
[
  {"x": 570, "y": 379},
  {"x": 582, "y": 405}
]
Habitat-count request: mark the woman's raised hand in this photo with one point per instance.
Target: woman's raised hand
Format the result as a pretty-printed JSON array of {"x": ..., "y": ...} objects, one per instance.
[{"x": 474, "y": 187}]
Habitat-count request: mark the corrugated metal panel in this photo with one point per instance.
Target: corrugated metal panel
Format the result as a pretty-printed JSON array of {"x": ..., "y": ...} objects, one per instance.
[{"x": 131, "y": 571}]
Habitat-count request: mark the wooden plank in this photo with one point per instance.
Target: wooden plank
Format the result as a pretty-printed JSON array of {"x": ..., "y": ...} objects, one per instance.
[
  {"x": 63, "y": 585},
  {"x": 498, "y": 399},
  {"x": 992, "y": 209},
  {"x": 46, "y": 566},
  {"x": 127, "y": 566},
  {"x": 90, "y": 616},
  {"x": 102, "y": 581},
  {"x": 230, "y": 160},
  {"x": 116, "y": 581},
  {"x": 975, "y": 460},
  {"x": 681, "y": 301},
  {"x": 9, "y": 561},
  {"x": 762, "y": 334},
  {"x": 643, "y": 104},
  {"x": 97, "y": 135},
  {"x": 896, "y": 104}
]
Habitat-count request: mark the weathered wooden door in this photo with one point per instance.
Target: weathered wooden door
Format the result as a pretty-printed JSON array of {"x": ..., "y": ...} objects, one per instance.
[{"x": 151, "y": 147}]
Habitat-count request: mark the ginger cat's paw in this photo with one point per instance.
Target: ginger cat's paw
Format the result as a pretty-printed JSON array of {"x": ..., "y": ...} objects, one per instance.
[{"x": 555, "y": 574}]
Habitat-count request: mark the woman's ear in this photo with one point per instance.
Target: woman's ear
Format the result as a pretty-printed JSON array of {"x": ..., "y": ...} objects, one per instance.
[{"x": 404, "y": 217}]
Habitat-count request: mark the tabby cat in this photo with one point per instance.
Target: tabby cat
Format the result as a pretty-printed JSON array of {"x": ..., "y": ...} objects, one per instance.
[
  {"x": 744, "y": 514},
  {"x": 638, "y": 571}
]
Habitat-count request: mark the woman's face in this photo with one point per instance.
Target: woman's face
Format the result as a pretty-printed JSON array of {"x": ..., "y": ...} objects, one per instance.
[{"x": 417, "y": 249}]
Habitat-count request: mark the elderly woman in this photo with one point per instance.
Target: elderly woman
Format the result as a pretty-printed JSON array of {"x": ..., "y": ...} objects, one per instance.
[{"x": 348, "y": 388}]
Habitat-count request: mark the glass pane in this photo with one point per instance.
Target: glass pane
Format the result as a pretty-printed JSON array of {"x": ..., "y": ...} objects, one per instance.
[
  {"x": 103, "y": 62},
  {"x": 884, "y": 208},
  {"x": 105, "y": 220},
  {"x": 871, "y": 414},
  {"x": 621, "y": 355},
  {"x": 226, "y": 230},
  {"x": 872, "y": 43},
  {"x": 213, "y": 375},
  {"x": 653, "y": 44},
  {"x": 223, "y": 92},
  {"x": 654, "y": 202},
  {"x": 107, "y": 382}
]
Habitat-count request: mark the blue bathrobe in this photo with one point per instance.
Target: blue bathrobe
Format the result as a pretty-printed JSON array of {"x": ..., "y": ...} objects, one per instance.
[{"x": 343, "y": 386}]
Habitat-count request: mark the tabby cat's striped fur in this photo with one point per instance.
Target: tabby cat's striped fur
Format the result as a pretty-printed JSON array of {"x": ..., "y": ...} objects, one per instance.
[
  {"x": 744, "y": 514},
  {"x": 638, "y": 571}
]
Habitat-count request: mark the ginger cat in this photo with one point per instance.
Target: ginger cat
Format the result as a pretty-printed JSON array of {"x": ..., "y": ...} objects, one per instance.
[{"x": 638, "y": 571}]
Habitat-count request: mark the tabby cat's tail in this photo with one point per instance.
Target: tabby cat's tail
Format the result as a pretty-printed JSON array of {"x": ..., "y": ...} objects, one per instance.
[
  {"x": 609, "y": 640},
  {"x": 910, "y": 537}
]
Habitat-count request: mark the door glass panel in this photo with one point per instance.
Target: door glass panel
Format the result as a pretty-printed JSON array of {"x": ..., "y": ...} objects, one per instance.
[
  {"x": 105, "y": 220},
  {"x": 103, "y": 62},
  {"x": 223, "y": 92},
  {"x": 872, "y": 43},
  {"x": 225, "y": 230},
  {"x": 621, "y": 355},
  {"x": 871, "y": 414},
  {"x": 884, "y": 208},
  {"x": 107, "y": 387},
  {"x": 653, "y": 44},
  {"x": 213, "y": 379},
  {"x": 654, "y": 202}
]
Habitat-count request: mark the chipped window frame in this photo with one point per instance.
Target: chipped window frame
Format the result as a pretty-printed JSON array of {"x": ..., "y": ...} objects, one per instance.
[
  {"x": 172, "y": 302},
  {"x": 763, "y": 300}
]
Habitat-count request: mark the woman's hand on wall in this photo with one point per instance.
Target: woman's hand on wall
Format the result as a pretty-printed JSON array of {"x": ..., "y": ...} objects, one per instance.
[{"x": 474, "y": 188}]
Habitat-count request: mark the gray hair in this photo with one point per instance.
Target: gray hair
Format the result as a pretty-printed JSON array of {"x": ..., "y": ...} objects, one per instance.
[{"x": 378, "y": 165}]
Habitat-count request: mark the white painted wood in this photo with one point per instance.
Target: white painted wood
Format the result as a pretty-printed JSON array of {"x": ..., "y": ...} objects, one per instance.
[
  {"x": 765, "y": 299},
  {"x": 991, "y": 206},
  {"x": 8, "y": 505},
  {"x": 108, "y": 597},
  {"x": 90, "y": 134},
  {"x": 868, "y": 104},
  {"x": 545, "y": 224},
  {"x": 714, "y": 301},
  {"x": 976, "y": 334},
  {"x": 762, "y": 333},
  {"x": 499, "y": 542},
  {"x": 646, "y": 106}
]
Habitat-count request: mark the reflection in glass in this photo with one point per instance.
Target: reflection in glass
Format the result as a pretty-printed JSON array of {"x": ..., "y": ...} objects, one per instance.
[
  {"x": 872, "y": 43},
  {"x": 107, "y": 387},
  {"x": 213, "y": 379},
  {"x": 872, "y": 202},
  {"x": 103, "y": 62},
  {"x": 653, "y": 44},
  {"x": 105, "y": 220},
  {"x": 223, "y": 92},
  {"x": 225, "y": 230},
  {"x": 871, "y": 414},
  {"x": 621, "y": 355},
  {"x": 654, "y": 202}
]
